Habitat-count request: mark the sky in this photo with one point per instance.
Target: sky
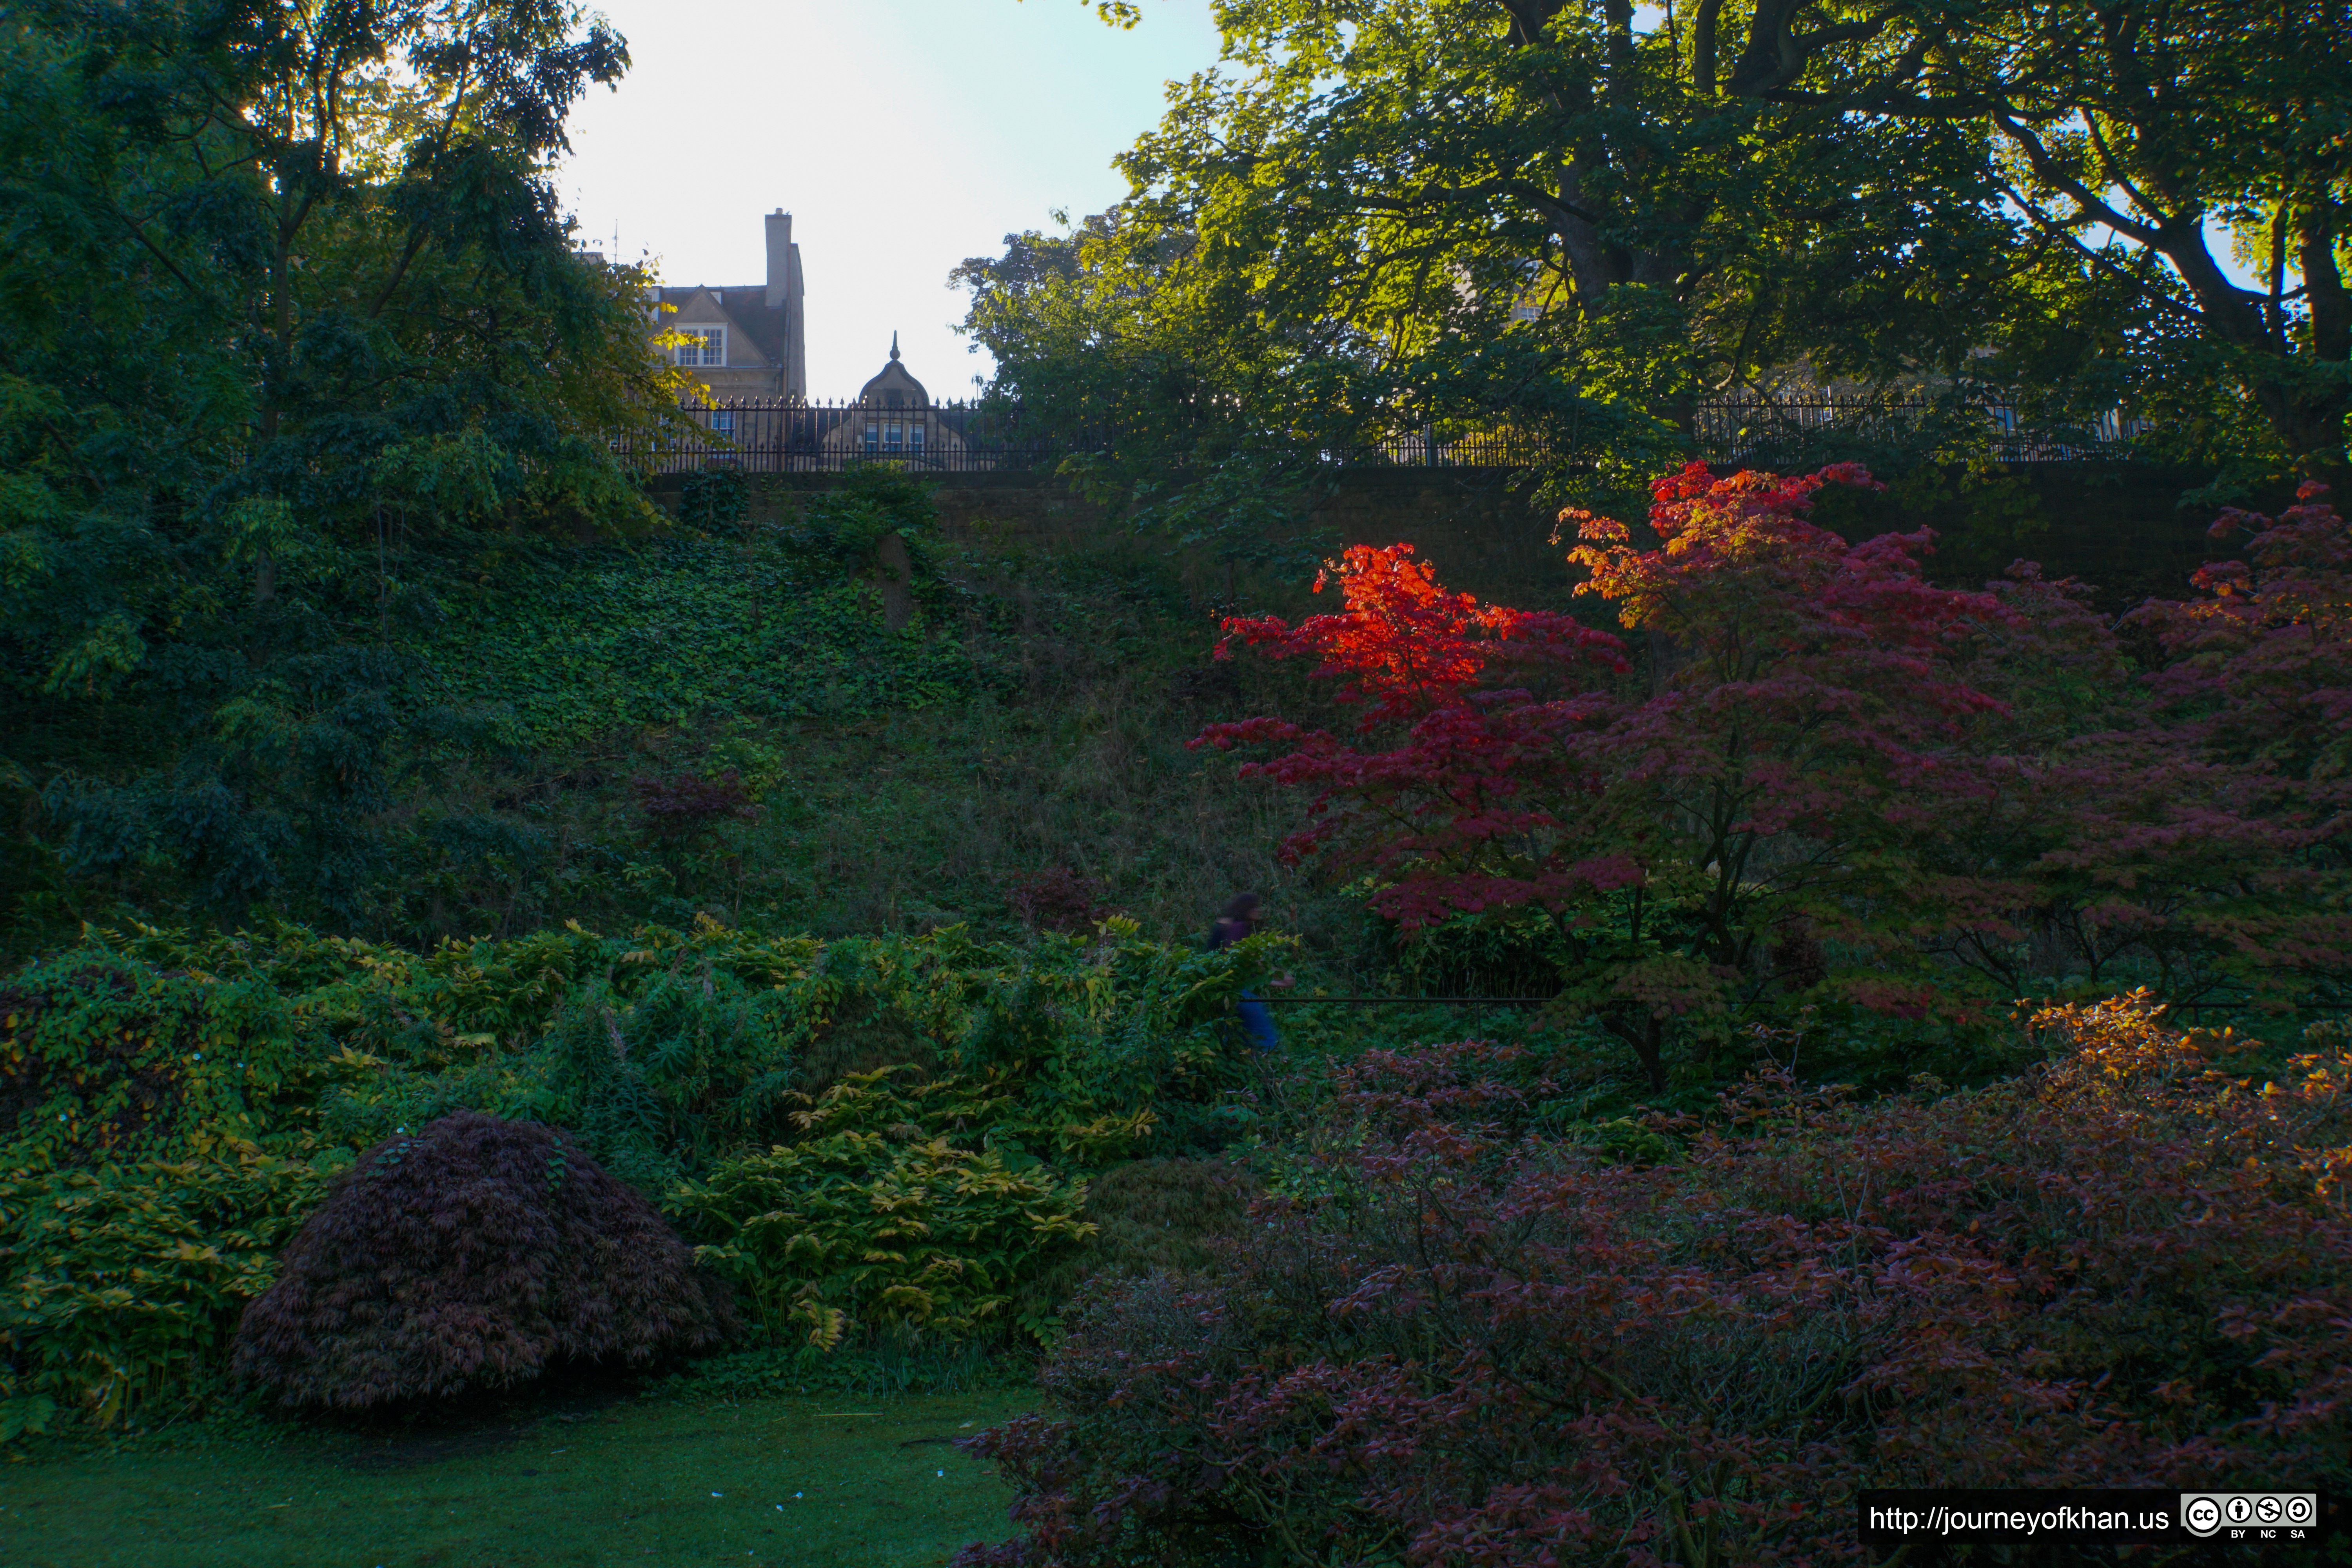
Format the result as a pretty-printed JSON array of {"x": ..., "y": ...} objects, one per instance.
[{"x": 902, "y": 135}]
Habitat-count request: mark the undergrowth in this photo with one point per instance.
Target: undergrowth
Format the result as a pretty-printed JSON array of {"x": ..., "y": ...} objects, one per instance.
[
  {"x": 551, "y": 716},
  {"x": 870, "y": 1137}
]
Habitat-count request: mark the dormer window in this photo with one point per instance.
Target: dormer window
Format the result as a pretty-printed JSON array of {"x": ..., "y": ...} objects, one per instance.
[
  {"x": 892, "y": 400},
  {"x": 703, "y": 345}
]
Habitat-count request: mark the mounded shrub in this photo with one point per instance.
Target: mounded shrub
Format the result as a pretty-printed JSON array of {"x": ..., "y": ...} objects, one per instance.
[{"x": 474, "y": 1254}]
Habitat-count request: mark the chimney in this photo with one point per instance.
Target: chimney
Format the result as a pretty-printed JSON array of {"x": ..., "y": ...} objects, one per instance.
[{"x": 780, "y": 257}]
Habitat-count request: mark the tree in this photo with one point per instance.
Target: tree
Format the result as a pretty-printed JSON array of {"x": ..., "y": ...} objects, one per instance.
[
  {"x": 1759, "y": 800},
  {"x": 2130, "y": 201},
  {"x": 2187, "y": 158},
  {"x": 290, "y": 309},
  {"x": 1401, "y": 215},
  {"x": 1840, "y": 784},
  {"x": 1103, "y": 341}
]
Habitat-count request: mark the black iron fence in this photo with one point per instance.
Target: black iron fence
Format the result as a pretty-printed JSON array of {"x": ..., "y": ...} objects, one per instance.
[
  {"x": 781, "y": 435},
  {"x": 784, "y": 436},
  {"x": 791, "y": 436},
  {"x": 1730, "y": 429}
]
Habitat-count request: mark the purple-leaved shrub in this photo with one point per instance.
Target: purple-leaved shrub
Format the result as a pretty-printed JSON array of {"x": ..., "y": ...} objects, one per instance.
[
  {"x": 1450, "y": 1343},
  {"x": 476, "y": 1253}
]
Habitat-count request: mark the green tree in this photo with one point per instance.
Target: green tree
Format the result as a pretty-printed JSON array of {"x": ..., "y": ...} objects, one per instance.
[
  {"x": 2190, "y": 160},
  {"x": 1412, "y": 217},
  {"x": 287, "y": 302}
]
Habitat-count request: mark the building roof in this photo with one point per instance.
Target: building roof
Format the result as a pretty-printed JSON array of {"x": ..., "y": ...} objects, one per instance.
[
  {"x": 894, "y": 377},
  {"x": 747, "y": 306}
]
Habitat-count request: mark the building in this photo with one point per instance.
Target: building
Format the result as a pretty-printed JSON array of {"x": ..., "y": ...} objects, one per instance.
[
  {"x": 746, "y": 340},
  {"x": 893, "y": 417}
]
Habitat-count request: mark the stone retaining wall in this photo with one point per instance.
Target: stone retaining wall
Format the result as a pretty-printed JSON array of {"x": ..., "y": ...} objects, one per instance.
[{"x": 2118, "y": 527}]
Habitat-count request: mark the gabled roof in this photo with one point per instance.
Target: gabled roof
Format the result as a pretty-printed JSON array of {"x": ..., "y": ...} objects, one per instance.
[{"x": 746, "y": 308}]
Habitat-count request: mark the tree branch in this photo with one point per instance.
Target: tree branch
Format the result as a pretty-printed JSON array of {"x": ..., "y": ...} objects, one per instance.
[
  {"x": 1775, "y": 56},
  {"x": 417, "y": 235},
  {"x": 2091, "y": 206},
  {"x": 140, "y": 233},
  {"x": 2115, "y": 171},
  {"x": 1703, "y": 21}
]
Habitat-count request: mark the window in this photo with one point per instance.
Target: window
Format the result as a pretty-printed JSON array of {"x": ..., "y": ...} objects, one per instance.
[
  {"x": 890, "y": 437},
  {"x": 874, "y": 438},
  {"x": 703, "y": 345},
  {"x": 914, "y": 437},
  {"x": 722, "y": 422}
]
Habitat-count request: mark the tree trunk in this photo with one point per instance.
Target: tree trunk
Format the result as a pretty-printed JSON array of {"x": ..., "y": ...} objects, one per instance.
[{"x": 1647, "y": 1035}]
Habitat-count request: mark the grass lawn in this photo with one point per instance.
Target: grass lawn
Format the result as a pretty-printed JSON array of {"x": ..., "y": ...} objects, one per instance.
[{"x": 657, "y": 1482}]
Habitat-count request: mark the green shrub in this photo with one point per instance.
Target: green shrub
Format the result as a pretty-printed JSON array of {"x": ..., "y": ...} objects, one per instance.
[
  {"x": 104, "y": 1057},
  {"x": 965, "y": 1087},
  {"x": 118, "y": 1283},
  {"x": 879, "y": 1221},
  {"x": 666, "y": 1047},
  {"x": 1118, "y": 1046},
  {"x": 658, "y": 1084},
  {"x": 434, "y": 1004}
]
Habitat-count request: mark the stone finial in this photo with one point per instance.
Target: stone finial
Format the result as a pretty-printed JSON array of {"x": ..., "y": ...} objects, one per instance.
[{"x": 894, "y": 345}]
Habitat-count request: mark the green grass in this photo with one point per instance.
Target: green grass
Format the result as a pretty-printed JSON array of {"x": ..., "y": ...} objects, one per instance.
[{"x": 655, "y": 1480}]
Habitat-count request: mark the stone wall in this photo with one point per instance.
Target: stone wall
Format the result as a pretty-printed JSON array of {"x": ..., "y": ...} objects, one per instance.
[
  {"x": 1481, "y": 525},
  {"x": 2120, "y": 528}
]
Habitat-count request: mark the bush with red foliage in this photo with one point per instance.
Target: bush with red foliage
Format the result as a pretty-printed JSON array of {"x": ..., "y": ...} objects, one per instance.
[
  {"x": 683, "y": 805},
  {"x": 1459, "y": 1346},
  {"x": 1058, "y": 898},
  {"x": 1925, "y": 782},
  {"x": 1820, "y": 711},
  {"x": 476, "y": 1253},
  {"x": 2253, "y": 708},
  {"x": 2261, "y": 663}
]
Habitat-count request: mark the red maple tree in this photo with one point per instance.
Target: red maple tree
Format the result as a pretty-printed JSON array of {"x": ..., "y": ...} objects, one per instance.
[
  {"x": 1839, "y": 778},
  {"x": 1812, "y": 702}
]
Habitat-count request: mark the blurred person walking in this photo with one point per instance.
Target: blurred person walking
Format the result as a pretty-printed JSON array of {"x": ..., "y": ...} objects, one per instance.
[{"x": 1242, "y": 915}]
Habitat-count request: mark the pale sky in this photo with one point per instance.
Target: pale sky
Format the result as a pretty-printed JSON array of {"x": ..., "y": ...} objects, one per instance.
[{"x": 902, "y": 135}]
